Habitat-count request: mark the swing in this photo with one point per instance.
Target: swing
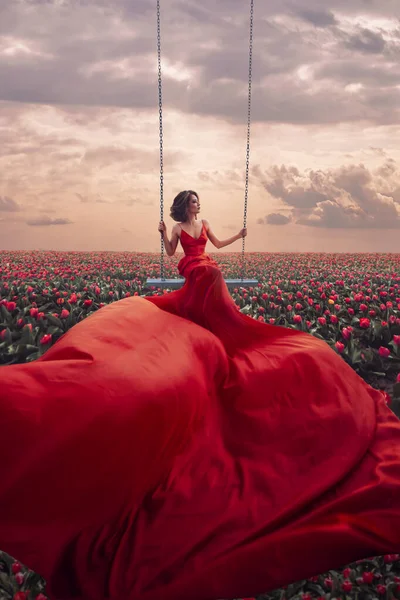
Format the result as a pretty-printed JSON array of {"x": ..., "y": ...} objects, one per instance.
[{"x": 177, "y": 283}]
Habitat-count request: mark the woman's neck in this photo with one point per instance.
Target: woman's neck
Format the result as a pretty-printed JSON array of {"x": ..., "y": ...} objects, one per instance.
[{"x": 191, "y": 221}]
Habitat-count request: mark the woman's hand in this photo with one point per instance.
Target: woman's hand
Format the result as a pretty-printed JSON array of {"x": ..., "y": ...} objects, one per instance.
[
  {"x": 162, "y": 228},
  {"x": 243, "y": 232}
]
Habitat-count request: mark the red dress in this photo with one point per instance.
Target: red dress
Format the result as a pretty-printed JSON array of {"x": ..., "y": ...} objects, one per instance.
[{"x": 171, "y": 447}]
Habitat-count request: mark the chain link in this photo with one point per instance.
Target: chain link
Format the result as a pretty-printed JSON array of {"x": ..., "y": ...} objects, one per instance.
[
  {"x": 161, "y": 137},
  {"x": 246, "y": 187}
]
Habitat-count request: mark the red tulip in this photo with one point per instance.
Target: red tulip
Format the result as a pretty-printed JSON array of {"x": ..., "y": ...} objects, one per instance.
[
  {"x": 396, "y": 340},
  {"x": 339, "y": 347},
  {"x": 16, "y": 567},
  {"x": 297, "y": 319},
  {"x": 46, "y": 339},
  {"x": 368, "y": 577},
  {"x": 384, "y": 352},
  {"x": 365, "y": 323},
  {"x": 346, "y": 572},
  {"x": 347, "y": 586},
  {"x": 381, "y": 589},
  {"x": 21, "y": 596},
  {"x": 322, "y": 320}
]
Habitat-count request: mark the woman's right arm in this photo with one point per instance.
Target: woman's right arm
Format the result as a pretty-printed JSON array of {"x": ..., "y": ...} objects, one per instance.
[{"x": 170, "y": 245}]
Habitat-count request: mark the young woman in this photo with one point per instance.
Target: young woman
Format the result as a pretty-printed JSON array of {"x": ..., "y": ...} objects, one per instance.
[
  {"x": 185, "y": 208},
  {"x": 171, "y": 447}
]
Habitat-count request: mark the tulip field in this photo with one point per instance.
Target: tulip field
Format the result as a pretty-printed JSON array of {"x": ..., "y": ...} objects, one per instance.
[{"x": 352, "y": 301}]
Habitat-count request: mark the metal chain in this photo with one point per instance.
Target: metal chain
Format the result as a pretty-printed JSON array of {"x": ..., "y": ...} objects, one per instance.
[
  {"x": 246, "y": 188},
  {"x": 161, "y": 136}
]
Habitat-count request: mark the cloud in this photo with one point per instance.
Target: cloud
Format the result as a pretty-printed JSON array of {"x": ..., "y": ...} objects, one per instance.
[
  {"x": 275, "y": 219},
  {"x": 8, "y": 204},
  {"x": 47, "y": 221},
  {"x": 318, "y": 17},
  {"x": 347, "y": 197},
  {"x": 366, "y": 41},
  {"x": 104, "y": 55}
]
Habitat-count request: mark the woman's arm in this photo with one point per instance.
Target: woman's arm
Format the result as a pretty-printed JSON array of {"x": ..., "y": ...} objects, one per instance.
[
  {"x": 170, "y": 245},
  {"x": 222, "y": 243}
]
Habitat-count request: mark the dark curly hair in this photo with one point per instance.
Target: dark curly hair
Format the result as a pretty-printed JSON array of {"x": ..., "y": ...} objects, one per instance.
[{"x": 179, "y": 205}]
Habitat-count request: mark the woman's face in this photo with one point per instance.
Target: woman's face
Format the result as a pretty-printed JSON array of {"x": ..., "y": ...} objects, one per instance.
[{"x": 193, "y": 205}]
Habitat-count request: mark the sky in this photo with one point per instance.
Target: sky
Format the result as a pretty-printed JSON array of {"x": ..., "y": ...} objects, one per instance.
[{"x": 79, "y": 156}]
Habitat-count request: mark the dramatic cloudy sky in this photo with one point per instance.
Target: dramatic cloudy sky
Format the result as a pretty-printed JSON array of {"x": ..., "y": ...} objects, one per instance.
[{"x": 79, "y": 122}]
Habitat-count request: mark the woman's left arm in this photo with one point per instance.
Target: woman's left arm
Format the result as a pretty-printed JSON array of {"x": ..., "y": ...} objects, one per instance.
[{"x": 222, "y": 243}]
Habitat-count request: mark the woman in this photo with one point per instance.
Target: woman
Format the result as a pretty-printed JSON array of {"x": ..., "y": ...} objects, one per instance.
[
  {"x": 185, "y": 208},
  {"x": 203, "y": 277},
  {"x": 171, "y": 447}
]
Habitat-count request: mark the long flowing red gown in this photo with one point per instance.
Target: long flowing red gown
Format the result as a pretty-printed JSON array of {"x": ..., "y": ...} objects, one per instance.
[{"x": 172, "y": 448}]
